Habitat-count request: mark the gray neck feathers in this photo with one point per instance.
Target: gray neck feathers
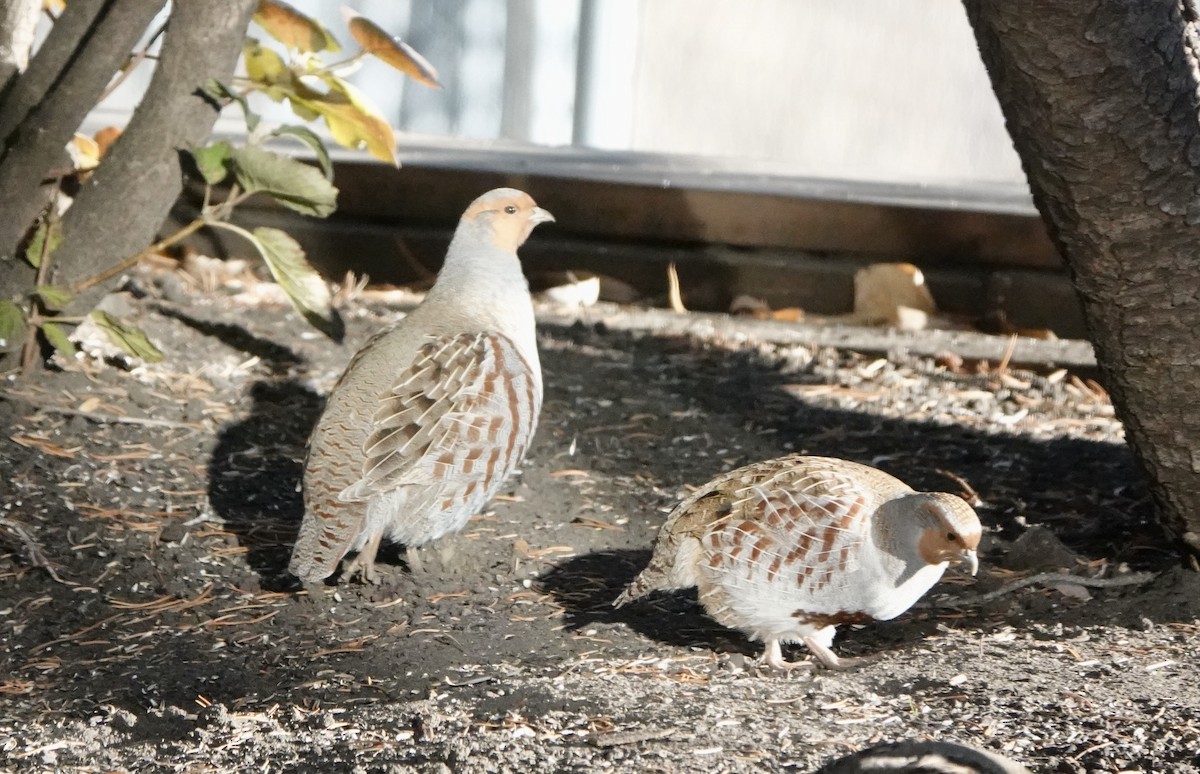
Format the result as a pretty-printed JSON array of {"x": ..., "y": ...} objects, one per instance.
[
  {"x": 475, "y": 266},
  {"x": 896, "y": 534}
]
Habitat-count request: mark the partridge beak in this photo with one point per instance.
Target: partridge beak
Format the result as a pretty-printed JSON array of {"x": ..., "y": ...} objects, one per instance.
[
  {"x": 540, "y": 216},
  {"x": 970, "y": 559}
]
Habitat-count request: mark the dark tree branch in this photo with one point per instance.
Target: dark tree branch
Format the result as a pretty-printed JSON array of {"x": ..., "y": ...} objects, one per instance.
[
  {"x": 120, "y": 209},
  {"x": 1101, "y": 100},
  {"x": 48, "y": 65},
  {"x": 17, "y": 21},
  {"x": 37, "y": 143}
]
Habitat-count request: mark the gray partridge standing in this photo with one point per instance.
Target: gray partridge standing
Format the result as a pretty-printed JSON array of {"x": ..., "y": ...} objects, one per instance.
[
  {"x": 431, "y": 416},
  {"x": 787, "y": 549}
]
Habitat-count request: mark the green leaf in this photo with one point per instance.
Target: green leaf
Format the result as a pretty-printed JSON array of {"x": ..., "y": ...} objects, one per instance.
[
  {"x": 128, "y": 337},
  {"x": 293, "y": 184},
  {"x": 213, "y": 161},
  {"x": 306, "y": 289},
  {"x": 221, "y": 92},
  {"x": 57, "y": 336},
  {"x": 38, "y": 247},
  {"x": 12, "y": 326},
  {"x": 54, "y": 297},
  {"x": 309, "y": 138}
]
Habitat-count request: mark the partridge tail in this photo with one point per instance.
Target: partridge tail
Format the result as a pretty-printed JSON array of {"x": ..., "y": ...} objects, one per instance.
[
  {"x": 307, "y": 570},
  {"x": 646, "y": 581},
  {"x": 311, "y": 562},
  {"x": 325, "y": 537},
  {"x": 672, "y": 566}
]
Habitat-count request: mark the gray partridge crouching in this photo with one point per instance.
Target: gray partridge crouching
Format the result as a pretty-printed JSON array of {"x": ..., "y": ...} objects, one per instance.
[
  {"x": 787, "y": 549},
  {"x": 431, "y": 416}
]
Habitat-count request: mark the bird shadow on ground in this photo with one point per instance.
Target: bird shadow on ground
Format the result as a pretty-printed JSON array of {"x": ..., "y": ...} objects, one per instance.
[
  {"x": 255, "y": 471},
  {"x": 585, "y": 586}
]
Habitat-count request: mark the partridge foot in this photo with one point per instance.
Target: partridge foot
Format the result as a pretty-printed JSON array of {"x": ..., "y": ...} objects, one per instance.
[
  {"x": 773, "y": 659},
  {"x": 363, "y": 565},
  {"x": 830, "y": 660}
]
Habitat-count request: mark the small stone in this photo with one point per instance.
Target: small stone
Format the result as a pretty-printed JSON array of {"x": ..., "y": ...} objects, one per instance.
[{"x": 1039, "y": 549}]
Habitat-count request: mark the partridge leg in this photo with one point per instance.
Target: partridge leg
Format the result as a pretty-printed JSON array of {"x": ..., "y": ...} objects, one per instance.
[
  {"x": 830, "y": 660},
  {"x": 773, "y": 658},
  {"x": 364, "y": 563}
]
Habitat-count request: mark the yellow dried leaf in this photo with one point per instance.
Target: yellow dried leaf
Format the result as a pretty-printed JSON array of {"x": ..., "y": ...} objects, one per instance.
[
  {"x": 293, "y": 28},
  {"x": 353, "y": 121},
  {"x": 84, "y": 152},
  {"x": 264, "y": 66},
  {"x": 881, "y": 289},
  {"x": 105, "y": 138},
  {"x": 389, "y": 50}
]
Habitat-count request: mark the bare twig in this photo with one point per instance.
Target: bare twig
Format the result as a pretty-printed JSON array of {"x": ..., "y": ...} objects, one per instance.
[
  {"x": 617, "y": 738},
  {"x": 673, "y": 293},
  {"x": 132, "y": 64},
  {"x": 968, "y": 492},
  {"x": 1006, "y": 358},
  {"x": 1132, "y": 579},
  {"x": 111, "y": 419},
  {"x": 36, "y": 557}
]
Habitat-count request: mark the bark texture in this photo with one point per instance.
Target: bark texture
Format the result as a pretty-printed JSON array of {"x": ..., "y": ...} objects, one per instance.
[
  {"x": 121, "y": 207},
  {"x": 18, "y": 18},
  {"x": 1101, "y": 101},
  {"x": 48, "y": 103},
  {"x": 65, "y": 43}
]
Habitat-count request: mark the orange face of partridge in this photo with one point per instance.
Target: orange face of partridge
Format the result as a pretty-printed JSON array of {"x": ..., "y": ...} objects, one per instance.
[
  {"x": 953, "y": 534},
  {"x": 510, "y": 218}
]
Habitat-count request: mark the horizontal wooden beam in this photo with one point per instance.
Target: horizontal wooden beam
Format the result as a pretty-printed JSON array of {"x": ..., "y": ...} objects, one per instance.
[
  {"x": 1026, "y": 352},
  {"x": 654, "y": 198}
]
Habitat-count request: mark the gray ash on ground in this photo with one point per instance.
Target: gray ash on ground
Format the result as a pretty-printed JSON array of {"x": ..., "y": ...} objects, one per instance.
[{"x": 166, "y": 502}]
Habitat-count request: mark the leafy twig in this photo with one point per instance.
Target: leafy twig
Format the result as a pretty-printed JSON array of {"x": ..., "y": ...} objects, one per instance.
[
  {"x": 132, "y": 260},
  {"x": 29, "y": 348}
]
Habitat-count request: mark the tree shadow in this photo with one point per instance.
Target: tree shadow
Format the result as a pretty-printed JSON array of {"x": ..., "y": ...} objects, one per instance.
[
  {"x": 275, "y": 354},
  {"x": 255, "y": 472}
]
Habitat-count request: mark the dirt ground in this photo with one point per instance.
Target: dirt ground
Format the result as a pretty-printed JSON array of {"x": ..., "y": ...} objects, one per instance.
[{"x": 168, "y": 636}]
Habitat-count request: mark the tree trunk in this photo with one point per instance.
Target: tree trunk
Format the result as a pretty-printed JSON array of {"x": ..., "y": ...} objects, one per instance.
[
  {"x": 1101, "y": 101},
  {"x": 47, "y": 104},
  {"x": 18, "y": 18},
  {"x": 120, "y": 209}
]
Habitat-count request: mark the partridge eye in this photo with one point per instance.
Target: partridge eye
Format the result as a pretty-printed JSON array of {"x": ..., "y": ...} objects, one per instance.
[
  {"x": 511, "y": 209},
  {"x": 951, "y": 537}
]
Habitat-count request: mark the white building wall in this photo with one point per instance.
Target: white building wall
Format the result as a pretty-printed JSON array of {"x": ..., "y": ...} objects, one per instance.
[{"x": 889, "y": 90}]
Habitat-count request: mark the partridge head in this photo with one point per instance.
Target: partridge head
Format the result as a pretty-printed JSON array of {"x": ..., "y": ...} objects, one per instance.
[
  {"x": 430, "y": 416},
  {"x": 787, "y": 549}
]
